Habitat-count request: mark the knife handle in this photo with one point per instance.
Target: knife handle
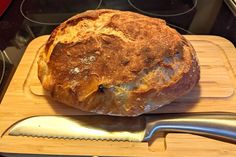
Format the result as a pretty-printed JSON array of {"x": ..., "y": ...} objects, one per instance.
[{"x": 221, "y": 126}]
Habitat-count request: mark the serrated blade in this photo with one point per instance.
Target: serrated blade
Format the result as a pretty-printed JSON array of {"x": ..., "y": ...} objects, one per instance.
[
  {"x": 82, "y": 127},
  {"x": 141, "y": 128}
]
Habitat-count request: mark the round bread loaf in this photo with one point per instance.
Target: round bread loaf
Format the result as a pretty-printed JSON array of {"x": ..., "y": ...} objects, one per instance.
[{"x": 117, "y": 63}]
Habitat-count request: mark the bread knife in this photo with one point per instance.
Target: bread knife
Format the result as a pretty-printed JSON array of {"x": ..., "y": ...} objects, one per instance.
[{"x": 141, "y": 128}]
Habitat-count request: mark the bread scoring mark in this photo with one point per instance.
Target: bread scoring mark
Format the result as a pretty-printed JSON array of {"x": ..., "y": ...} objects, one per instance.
[{"x": 85, "y": 27}]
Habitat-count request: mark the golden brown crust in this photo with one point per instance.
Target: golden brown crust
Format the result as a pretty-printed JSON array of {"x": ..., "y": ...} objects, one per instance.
[{"x": 117, "y": 63}]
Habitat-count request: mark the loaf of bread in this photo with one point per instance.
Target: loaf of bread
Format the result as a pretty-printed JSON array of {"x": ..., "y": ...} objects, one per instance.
[{"x": 117, "y": 63}]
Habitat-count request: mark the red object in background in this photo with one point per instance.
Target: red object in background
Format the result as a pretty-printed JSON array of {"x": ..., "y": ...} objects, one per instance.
[{"x": 3, "y": 5}]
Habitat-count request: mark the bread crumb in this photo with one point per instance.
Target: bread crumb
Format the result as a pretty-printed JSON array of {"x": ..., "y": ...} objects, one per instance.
[
  {"x": 75, "y": 71},
  {"x": 88, "y": 60},
  {"x": 68, "y": 53},
  {"x": 92, "y": 58},
  {"x": 98, "y": 52},
  {"x": 85, "y": 77}
]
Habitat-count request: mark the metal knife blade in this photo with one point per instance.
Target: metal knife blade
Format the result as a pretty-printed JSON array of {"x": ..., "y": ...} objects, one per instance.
[
  {"x": 142, "y": 128},
  {"x": 82, "y": 127}
]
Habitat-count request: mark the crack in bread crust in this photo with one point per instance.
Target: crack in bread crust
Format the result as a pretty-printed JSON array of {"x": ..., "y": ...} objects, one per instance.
[{"x": 117, "y": 63}]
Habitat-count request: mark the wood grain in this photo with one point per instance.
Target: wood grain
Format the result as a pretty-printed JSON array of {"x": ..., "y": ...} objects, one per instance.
[{"x": 215, "y": 93}]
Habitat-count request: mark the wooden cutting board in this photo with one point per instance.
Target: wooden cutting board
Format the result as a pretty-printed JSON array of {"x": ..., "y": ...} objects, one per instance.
[{"x": 215, "y": 93}]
